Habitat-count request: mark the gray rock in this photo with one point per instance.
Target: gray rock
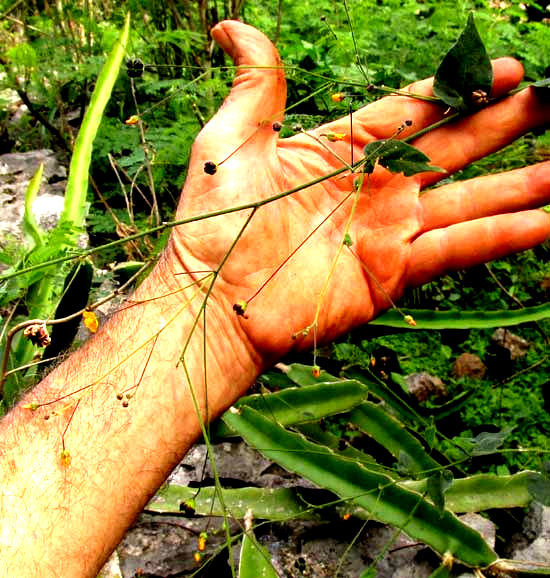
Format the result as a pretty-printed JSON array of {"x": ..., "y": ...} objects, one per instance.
[
  {"x": 425, "y": 386},
  {"x": 469, "y": 365},
  {"x": 516, "y": 345},
  {"x": 533, "y": 543},
  {"x": 16, "y": 171}
]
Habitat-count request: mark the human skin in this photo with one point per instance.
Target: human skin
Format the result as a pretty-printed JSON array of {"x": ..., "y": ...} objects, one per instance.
[{"x": 73, "y": 483}]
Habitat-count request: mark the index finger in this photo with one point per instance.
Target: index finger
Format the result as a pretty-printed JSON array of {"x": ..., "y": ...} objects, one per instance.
[{"x": 382, "y": 118}]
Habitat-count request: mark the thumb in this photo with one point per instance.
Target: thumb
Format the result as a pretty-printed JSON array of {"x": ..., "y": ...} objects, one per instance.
[{"x": 257, "y": 98}]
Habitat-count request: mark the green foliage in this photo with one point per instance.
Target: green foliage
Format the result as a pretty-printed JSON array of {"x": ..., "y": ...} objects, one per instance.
[
  {"x": 398, "y": 157},
  {"x": 465, "y": 76},
  {"x": 313, "y": 426}
]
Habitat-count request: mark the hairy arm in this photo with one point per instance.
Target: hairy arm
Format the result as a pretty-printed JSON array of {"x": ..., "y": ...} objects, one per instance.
[{"x": 78, "y": 470}]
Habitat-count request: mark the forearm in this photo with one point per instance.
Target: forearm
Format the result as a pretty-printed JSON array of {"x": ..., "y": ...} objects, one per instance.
[{"x": 111, "y": 423}]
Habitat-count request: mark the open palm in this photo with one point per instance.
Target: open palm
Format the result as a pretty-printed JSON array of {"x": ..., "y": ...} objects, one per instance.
[{"x": 400, "y": 238}]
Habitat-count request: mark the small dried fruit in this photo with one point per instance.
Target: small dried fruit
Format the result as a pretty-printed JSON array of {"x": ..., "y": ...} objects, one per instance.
[
  {"x": 409, "y": 319},
  {"x": 134, "y": 67},
  {"x": 65, "y": 457},
  {"x": 37, "y": 334},
  {"x": 334, "y": 136},
  {"x": 90, "y": 321},
  {"x": 240, "y": 308},
  {"x": 33, "y": 406},
  {"x": 134, "y": 119},
  {"x": 210, "y": 167},
  {"x": 479, "y": 97}
]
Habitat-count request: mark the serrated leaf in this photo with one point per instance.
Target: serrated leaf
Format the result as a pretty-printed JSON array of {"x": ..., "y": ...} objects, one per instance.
[
  {"x": 398, "y": 157},
  {"x": 465, "y": 73}
]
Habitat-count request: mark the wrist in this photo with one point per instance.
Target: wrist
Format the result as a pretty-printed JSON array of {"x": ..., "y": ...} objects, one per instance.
[{"x": 122, "y": 411}]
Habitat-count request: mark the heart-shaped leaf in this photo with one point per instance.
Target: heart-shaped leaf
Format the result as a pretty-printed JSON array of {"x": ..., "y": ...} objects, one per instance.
[
  {"x": 398, "y": 157},
  {"x": 465, "y": 76}
]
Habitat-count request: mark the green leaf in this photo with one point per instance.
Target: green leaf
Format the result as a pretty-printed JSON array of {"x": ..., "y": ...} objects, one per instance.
[
  {"x": 275, "y": 504},
  {"x": 428, "y": 319},
  {"x": 374, "y": 420},
  {"x": 437, "y": 485},
  {"x": 442, "y": 572},
  {"x": 376, "y": 386},
  {"x": 539, "y": 486},
  {"x": 296, "y": 405},
  {"x": 377, "y": 493},
  {"x": 77, "y": 184},
  {"x": 465, "y": 76},
  {"x": 398, "y": 157},
  {"x": 303, "y": 375},
  {"x": 484, "y": 491},
  {"x": 254, "y": 562},
  {"x": 484, "y": 444},
  {"x": 31, "y": 228}
]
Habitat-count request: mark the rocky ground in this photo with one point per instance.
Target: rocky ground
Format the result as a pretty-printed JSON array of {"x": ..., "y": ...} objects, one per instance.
[
  {"x": 161, "y": 545},
  {"x": 164, "y": 545}
]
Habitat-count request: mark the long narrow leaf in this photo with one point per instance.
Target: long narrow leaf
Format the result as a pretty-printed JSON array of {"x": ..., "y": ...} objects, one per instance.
[
  {"x": 392, "y": 435},
  {"x": 427, "y": 319},
  {"x": 472, "y": 494},
  {"x": 380, "y": 389},
  {"x": 377, "y": 493},
  {"x": 485, "y": 491},
  {"x": 275, "y": 504},
  {"x": 77, "y": 183},
  {"x": 31, "y": 229},
  {"x": 297, "y": 405}
]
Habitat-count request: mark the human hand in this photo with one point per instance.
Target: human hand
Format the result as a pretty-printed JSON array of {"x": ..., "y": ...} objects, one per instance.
[{"x": 401, "y": 237}]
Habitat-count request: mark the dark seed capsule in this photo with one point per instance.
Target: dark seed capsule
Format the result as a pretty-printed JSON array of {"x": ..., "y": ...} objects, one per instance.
[
  {"x": 408, "y": 122},
  {"x": 134, "y": 67},
  {"x": 119, "y": 396},
  {"x": 297, "y": 128},
  {"x": 239, "y": 308},
  {"x": 277, "y": 126},
  {"x": 210, "y": 167},
  {"x": 125, "y": 403},
  {"x": 479, "y": 97}
]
